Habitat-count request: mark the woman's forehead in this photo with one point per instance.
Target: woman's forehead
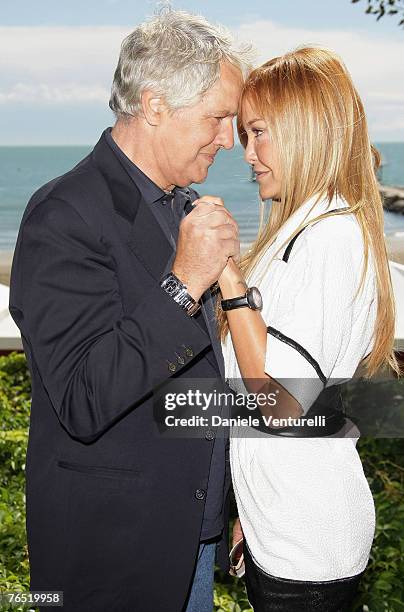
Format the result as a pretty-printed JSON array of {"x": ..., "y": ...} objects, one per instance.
[{"x": 249, "y": 111}]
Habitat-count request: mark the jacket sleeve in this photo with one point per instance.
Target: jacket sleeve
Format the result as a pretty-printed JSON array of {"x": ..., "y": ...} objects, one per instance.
[{"x": 96, "y": 362}]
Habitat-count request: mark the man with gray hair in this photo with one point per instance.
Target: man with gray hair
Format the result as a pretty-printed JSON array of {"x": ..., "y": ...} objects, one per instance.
[{"x": 110, "y": 288}]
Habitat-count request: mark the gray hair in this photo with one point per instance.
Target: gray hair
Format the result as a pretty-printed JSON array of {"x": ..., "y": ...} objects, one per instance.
[{"x": 176, "y": 55}]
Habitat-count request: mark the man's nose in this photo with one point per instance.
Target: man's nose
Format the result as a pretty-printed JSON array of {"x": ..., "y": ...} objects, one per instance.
[{"x": 225, "y": 138}]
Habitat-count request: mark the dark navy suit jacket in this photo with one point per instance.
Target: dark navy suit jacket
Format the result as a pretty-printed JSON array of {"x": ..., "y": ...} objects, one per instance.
[{"x": 114, "y": 510}]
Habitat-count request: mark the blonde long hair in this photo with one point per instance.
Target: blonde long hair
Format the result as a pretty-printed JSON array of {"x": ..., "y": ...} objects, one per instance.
[{"x": 317, "y": 122}]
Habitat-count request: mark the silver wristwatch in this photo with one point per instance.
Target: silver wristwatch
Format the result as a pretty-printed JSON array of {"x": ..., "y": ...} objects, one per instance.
[{"x": 178, "y": 291}]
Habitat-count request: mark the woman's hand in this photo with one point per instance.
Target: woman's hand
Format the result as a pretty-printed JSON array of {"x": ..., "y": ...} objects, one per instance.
[
  {"x": 231, "y": 280},
  {"x": 209, "y": 199},
  {"x": 237, "y": 532}
]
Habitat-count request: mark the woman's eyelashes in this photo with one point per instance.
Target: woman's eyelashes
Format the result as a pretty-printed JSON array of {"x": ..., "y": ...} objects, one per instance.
[{"x": 257, "y": 132}]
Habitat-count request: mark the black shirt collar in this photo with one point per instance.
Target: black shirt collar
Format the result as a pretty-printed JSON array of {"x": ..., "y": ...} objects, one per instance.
[{"x": 149, "y": 190}]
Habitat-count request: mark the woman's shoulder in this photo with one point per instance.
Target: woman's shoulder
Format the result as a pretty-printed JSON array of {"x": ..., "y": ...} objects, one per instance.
[
  {"x": 337, "y": 239},
  {"x": 326, "y": 234},
  {"x": 333, "y": 243},
  {"x": 343, "y": 226},
  {"x": 335, "y": 247}
]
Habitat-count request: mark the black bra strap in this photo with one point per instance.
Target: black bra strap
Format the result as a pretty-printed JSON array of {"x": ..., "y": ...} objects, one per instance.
[{"x": 292, "y": 242}]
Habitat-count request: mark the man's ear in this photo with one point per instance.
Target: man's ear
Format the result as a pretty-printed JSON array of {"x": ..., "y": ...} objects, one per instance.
[{"x": 153, "y": 107}]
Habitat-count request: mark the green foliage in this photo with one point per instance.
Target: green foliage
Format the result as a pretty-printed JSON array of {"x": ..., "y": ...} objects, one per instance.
[
  {"x": 230, "y": 595},
  {"x": 13, "y": 553},
  {"x": 383, "y": 584},
  {"x": 385, "y": 7},
  {"x": 15, "y": 392},
  {"x": 382, "y": 589}
]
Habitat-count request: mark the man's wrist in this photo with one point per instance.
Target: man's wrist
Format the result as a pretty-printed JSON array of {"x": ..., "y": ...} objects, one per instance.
[{"x": 194, "y": 291}]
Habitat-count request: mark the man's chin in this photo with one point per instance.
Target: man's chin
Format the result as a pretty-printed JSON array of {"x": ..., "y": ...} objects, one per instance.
[{"x": 201, "y": 176}]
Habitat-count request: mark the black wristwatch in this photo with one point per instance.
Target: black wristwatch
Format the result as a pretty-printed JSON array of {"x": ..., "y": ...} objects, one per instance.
[{"x": 252, "y": 299}]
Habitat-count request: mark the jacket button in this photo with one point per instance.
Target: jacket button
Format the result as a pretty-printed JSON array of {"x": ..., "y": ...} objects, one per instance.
[
  {"x": 209, "y": 435},
  {"x": 171, "y": 366},
  {"x": 188, "y": 351},
  {"x": 180, "y": 359},
  {"x": 200, "y": 494}
]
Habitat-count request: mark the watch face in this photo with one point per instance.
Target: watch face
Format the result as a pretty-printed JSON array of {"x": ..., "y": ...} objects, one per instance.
[
  {"x": 254, "y": 298},
  {"x": 171, "y": 286}
]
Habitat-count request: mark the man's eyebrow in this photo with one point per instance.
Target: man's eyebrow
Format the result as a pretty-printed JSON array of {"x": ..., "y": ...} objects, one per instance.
[{"x": 224, "y": 112}]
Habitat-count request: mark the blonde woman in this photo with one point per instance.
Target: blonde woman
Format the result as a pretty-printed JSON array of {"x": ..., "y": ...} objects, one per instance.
[{"x": 321, "y": 268}]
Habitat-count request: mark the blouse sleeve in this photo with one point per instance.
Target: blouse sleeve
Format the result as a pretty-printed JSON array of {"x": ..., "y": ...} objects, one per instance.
[{"x": 310, "y": 328}]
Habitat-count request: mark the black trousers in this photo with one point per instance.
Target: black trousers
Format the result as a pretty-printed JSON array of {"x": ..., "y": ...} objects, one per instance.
[{"x": 268, "y": 593}]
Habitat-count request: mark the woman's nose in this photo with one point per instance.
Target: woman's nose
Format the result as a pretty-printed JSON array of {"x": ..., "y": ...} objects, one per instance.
[{"x": 249, "y": 153}]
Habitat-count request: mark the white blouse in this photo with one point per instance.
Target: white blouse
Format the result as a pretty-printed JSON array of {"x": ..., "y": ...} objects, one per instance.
[{"x": 305, "y": 505}]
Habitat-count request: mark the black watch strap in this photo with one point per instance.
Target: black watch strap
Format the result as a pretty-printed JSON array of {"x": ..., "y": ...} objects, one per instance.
[
  {"x": 251, "y": 299},
  {"x": 237, "y": 302}
]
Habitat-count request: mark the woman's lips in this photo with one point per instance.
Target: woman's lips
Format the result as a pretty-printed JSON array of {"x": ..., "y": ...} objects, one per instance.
[{"x": 259, "y": 175}]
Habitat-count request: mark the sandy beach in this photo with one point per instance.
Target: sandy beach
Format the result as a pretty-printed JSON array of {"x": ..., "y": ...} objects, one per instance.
[
  {"x": 395, "y": 250},
  {"x": 395, "y": 247},
  {"x": 6, "y": 258}
]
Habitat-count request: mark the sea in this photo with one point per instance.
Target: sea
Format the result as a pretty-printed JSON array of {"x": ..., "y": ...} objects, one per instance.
[{"x": 25, "y": 169}]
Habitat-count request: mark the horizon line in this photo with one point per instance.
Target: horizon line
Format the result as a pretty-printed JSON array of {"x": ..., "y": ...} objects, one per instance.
[{"x": 237, "y": 144}]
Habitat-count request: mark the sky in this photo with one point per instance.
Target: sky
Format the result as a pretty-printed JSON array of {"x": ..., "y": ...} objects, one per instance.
[{"x": 57, "y": 58}]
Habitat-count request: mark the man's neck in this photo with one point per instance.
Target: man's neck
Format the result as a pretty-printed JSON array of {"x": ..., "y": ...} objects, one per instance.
[{"x": 137, "y": 149}]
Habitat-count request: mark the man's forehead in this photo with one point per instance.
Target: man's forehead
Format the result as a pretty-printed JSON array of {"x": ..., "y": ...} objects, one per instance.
[
  {"x": 230, "y": 79},
  {"x": 222, "y": 100}
]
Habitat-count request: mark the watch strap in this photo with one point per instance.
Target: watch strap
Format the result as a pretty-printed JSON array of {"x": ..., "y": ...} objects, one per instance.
[{"x": 232, "y": 303}]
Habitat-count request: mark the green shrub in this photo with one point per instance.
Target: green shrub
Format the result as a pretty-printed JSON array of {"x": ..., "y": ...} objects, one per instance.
[{"x": 15, "y": 392}]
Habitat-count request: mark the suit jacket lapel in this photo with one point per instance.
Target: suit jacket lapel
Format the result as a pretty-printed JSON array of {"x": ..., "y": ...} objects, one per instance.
[
  {"x": 149, "y": 243},
  {"x": 146, "y": 238}
]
